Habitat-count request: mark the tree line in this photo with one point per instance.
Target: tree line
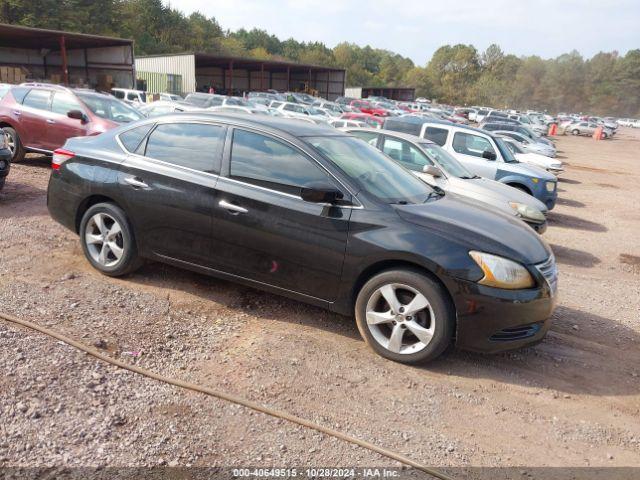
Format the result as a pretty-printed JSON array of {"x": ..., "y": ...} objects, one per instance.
[{"x": 606, "y": 84}]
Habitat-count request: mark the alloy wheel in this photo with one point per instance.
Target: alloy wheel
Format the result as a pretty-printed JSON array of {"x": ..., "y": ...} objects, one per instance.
[
  {"x": 104, "y": 240},
  {"x": 400, "y": 318},
  {"x": 11, "y": 143}
]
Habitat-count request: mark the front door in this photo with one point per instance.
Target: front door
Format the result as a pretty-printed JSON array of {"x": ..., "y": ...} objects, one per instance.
[{"x": 264, "y": 231}]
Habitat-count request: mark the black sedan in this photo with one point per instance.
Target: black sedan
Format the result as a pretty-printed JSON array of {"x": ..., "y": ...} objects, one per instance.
[{"x": 311, "y": 213}]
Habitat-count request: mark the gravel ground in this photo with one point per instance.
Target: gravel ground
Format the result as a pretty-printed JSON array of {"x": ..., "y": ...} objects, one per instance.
[{"x": 573, "y": 400}]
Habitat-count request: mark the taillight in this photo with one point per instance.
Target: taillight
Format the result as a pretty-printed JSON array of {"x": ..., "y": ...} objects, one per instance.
[{"x": 60, "y": 156}]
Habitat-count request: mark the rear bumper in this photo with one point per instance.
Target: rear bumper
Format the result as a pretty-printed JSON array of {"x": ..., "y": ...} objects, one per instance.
[
  {"x": 62, "y": 201},
  {"x": 491, "y": 320}
]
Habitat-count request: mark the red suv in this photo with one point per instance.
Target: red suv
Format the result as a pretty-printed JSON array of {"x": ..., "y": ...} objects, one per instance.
[
  {"x": 366, "y": 107},
  {"x": 41, "y": 117}
]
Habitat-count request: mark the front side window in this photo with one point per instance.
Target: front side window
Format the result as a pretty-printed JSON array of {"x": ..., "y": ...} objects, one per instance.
[
  {"x": 372, "y": 170},
  {"x": 437, "y": 135},
  {"x": 469, "y": 144},
  {"x": 446, "y": 161},
  {"x": 266, "y": 162},
  {"x": 132, "y": 96},
  {"x": 193, "y": 145},
  {"x": 63, "y": 103},
  {"x": 405, "y": 153},
  {"x": 37, "y": 99},
  {"x": 118, "y": 94}
]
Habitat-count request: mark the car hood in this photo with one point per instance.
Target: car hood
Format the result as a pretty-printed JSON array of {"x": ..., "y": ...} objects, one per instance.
[
  {"x": 536, "y": 159},
  {"x": 526, "y": 169},
  {"x": 497, "y": 192},
  {"x": 478, "y": 227}
]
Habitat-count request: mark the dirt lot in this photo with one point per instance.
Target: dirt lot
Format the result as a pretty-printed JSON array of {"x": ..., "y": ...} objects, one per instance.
[{"x": 573, "y": 400}]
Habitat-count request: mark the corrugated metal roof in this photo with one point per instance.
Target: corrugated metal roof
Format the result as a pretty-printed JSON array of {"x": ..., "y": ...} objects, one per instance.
[{"x": 27, "y": 37}]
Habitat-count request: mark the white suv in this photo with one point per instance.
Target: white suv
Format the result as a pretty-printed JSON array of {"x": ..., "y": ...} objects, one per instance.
[{"x": 129, "y": 96}]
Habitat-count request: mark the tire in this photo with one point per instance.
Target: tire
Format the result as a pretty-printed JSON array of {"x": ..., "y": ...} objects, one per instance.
[
  {"x": 575, "y": 132},
  {"x": 435, "y": 321},
  {"x": 117, "y": 256},
  {"x": 17, "y": 151}
]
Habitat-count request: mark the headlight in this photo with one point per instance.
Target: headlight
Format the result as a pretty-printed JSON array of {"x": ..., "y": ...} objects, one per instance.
[
  {"x": 526, "y": 211},
  {"x": 551, "y": 186},
  {"x": 502, "y": 273}
]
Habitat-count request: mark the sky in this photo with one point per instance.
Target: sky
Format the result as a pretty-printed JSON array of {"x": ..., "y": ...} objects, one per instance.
[{"x": 546, "y": 28}]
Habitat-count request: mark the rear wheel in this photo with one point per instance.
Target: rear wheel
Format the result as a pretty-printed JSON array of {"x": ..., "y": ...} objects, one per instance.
[
  {"x": 405, "y": 316},
  {"x": 15, "y": 145},
  {"x": 107, "y": 240}
]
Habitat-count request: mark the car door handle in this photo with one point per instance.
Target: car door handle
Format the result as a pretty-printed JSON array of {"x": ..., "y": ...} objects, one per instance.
[
  {"x": 136, "y": 182},
  {"x": 231, "y": 208},
  {"x": 17, "y": 112},
  {"x": 50, "y": 120}
]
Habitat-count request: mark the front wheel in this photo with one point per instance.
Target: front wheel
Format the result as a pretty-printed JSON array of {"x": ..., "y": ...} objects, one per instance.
[
  {"x": 15, "y": 145},
  {"x": 405, "y": 316},
  {"x": 575, "y": 132},
  {"x": 108, "y": 241}
]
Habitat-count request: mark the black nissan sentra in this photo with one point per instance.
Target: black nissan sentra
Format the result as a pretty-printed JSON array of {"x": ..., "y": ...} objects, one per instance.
[{"x": 311, "y": 213}]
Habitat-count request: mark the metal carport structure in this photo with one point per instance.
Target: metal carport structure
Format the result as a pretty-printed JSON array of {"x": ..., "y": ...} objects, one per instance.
[{"x": 67, "y": 57}]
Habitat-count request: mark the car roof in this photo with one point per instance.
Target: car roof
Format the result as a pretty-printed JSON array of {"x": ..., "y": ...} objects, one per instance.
[
  {"x": 293, "y": 127},
  {"x": 392, "y": 133}
]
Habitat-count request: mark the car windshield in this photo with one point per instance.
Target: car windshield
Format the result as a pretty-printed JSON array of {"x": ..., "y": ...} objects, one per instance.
[
  {"x": 513, "y": 146},
  {"x": 505, "y": 151},
  {"x": 110, "y": 108},
  {"x": 373, "y": 171},
  {"x": 448, "y": 163},
  {"x": 238, "y": 102}
]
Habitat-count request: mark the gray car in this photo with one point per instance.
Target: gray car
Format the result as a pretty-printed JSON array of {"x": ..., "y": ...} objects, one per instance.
[
  {"x": 438, "y": 168},
  {"x": 587, "y": 128}
]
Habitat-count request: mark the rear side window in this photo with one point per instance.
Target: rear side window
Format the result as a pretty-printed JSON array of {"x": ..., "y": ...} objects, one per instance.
[
  {"x": 264, "y": 161},
  {"x": 473, "y": 145},
  {"x": 436, "y": 135},
  {"x": 37, "y": 99},
  {"x": 193, "y": 145},
  {"x": 132, "y": 96},
  {"x": 4, "y": 89},
  {"x": 132, "y": 138},
  {"x": 118, "y": 94}
]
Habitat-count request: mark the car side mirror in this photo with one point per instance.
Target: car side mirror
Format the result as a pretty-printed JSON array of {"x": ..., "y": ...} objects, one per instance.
[
  {"x": 321, "y": 193},
  {"x": 77, "y": 115},
  {"x": 489, "y": 155},
  {"x": 432, "y": 170}
]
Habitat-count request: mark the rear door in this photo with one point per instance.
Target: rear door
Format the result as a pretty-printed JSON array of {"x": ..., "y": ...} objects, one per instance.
[
  {"x": 33, "y": 118},
  {"x": 169, "y": 186},
  {"x": 264, "y": 231},
  {"x": 469, "y": 149},
  {"x": 59, "y": 125}
]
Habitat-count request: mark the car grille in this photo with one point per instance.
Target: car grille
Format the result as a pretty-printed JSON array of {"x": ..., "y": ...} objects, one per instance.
[
  {"x": 549, "y": 271},
  {"x": 516, "y": 333}
]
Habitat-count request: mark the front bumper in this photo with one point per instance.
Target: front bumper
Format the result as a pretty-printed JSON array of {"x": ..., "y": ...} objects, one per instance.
[
  {"x": 5, "y": 162},
  {"x": 540, "y": 228},
  {"x": 491, "y": 320}
]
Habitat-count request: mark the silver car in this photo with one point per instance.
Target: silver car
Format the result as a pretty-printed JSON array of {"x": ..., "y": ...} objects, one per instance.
[
  {"x": 588, "y": 128},
  {"x": 528, "y": 144},
  {"x": 437, "y": 167}
]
